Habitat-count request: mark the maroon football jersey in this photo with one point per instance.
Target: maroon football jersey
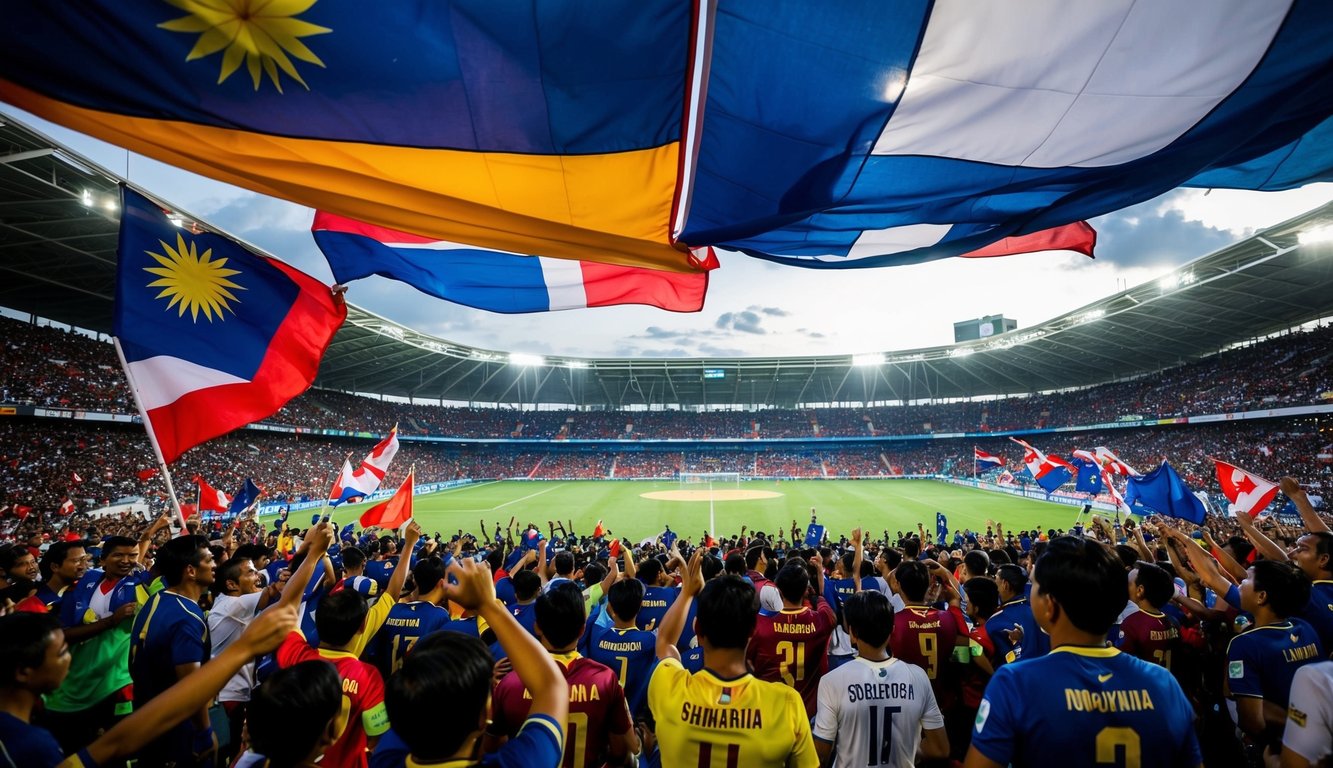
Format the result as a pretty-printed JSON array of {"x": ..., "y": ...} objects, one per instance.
[
  {"x": 1150, "y": 636},
  {"x": 597, "y": 709},
  {"x": 792, "y": 647},
  {"x": 925, "y": 637}
]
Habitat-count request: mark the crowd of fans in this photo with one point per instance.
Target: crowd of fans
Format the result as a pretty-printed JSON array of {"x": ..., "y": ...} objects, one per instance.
[
  {"x": 251, "y": 645},
  {"x": 64, "y": 369}
]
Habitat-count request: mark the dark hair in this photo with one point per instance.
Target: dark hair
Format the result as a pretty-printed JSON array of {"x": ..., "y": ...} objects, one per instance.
[
  {"x": 593, "y": 573},
  {"x": 564, "y": 563},
  {"x": 752, "y": 556},
  {"x": 291, "y": 710},
  {"x": 869, "y": 616},
  {"x": 1241, "y": 546},
  {"x": 892, "y": 558},
  {"x": 709, "y": 567},
  {"x": 23, "y": 639},
  {"x": 626, "y": 598},
  {"x": 1156, "y": 582},
  {"x": 1128, "y": 555},
  {"x": 735, "y": 564},
  {"x": 340, "y": 616},
  {"x": 56, "y": 554},
  {"x": 1323, "y": 545},
  {"x": 977, "y": 562},
  {"x": 1287, "y": 586},
  {"x": 911, "y": 548},
  {"x": 727, "y": 610},
  {"x": 436, "y": 699},
  {"x": 117, "y": 542},
  {"x": 650, "y": 571},
  {"x": 229, "y": 571},
  {"x": 793, "y": 580},
  {"x": 560, "y": 614},
  {"x": 1016, "y": 578},
  {"x": 178, "y": 554},
  {"x": 353, "y": 557},
  {"x": 913, "y": 579},
  {"x": 984, "y": 593},
  {"x": 427, "y": 573},
  {"x": 1086, "y": 579},
  {"x": 526, "y": 584}
]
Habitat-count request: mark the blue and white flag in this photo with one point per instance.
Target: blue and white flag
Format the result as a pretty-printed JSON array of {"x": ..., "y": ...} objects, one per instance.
[
  {"x": 245, "y": 497},
  {"x": 1164, "y": 492}
]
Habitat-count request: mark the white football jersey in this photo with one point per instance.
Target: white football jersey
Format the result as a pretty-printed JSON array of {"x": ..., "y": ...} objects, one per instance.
[{"x": 874, "y": 711}]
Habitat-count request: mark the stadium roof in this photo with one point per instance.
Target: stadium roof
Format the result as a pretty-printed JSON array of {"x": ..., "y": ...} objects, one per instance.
[{"x": 58, "y": 227}]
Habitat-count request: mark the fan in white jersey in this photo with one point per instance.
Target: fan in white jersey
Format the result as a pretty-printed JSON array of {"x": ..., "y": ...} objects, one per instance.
[{"x": 876, "y": 709}]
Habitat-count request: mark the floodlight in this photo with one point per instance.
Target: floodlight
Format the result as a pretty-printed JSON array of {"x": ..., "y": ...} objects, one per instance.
[
  {"x": 867, "y": 360},
  {"x": 1316, "y": 235},
  {"x": 522, "y": 358}
]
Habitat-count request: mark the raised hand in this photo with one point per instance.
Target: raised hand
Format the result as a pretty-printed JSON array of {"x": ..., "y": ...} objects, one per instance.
[{"x": 475, "y": 586}]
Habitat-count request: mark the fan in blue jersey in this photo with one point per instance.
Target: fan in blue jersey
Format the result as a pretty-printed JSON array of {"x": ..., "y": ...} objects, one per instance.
[
  {"x": 1083, "y": 703},
  {"x": 412, "y": 620},
  {"x": 354, "y": 578},
  {"x": 616, "y": 642},
  {"x": 1015, "y": 616}
]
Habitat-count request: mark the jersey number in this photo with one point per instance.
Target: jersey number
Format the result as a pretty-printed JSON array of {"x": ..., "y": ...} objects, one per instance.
[
  {"x": 929, "y": 651},
  {"x": 793, "y": 654},
  {"x": 1112, "y": 740},
  {"x": 881, "y": 734},
  {"x": 401, "y": 645},
  {"x": 1162, "y": 656},
  {"x": 624, "y": 669},
  {"x": 733, "y": 754},
  {"x": 576, "y": 741}
]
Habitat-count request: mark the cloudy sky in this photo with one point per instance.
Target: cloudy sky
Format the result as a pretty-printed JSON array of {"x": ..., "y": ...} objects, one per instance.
[{"x": 754, "y": 307}]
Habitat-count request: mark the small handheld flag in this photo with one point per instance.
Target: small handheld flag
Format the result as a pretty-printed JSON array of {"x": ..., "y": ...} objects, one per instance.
[
  {"x": 1250, "y": 493},
  {"x": 393, "y": 512}
]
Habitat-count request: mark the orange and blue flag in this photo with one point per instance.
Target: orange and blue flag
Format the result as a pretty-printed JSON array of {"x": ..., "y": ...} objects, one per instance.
[{"x": 213, "y": 336}]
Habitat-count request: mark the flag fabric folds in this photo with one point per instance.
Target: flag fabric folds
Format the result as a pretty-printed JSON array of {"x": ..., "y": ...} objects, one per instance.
[
  {"x": 1088, "y": 475},
  {"x": 497, "y": 281},
  {"x": 366, "y": 478},
  {"x": 393, "y": 512},
  {"x": 890, "y": 133},
  {"x": 245, "y": 497},
  {"x": 1250, "y": 493},
  {"x": 212, "y": 336},
  {"x": 210, "y": 498},
  {"x": 1113, "y": 463},
  {"x": 1164, "y": 492},
  {"x": 1049, "y": 471},
  {"x": 66, "y": 507},
  {"x": 985, "y": 461},
  {"x": 598, "y": 531}
]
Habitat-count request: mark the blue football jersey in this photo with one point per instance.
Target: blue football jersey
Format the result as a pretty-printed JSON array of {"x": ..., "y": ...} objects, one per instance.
[
  {"x": 1089, "y": 706},
  {"x": 631, "y": 654},
  {"x": 1261, "y": 661},
  {"x": 407, "y": 623},
  {"x": 656, "y": 602},
  {"x": 1016, "y": 613},
  {"x": 1319, "y": 612}
]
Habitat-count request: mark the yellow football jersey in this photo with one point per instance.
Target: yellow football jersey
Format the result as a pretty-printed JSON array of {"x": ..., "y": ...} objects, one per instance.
[{"x": 704, "y": 720}]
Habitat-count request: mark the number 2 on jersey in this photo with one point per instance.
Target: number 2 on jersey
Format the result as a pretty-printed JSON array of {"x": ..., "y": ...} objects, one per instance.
[{"x": 1112, "y": 739}]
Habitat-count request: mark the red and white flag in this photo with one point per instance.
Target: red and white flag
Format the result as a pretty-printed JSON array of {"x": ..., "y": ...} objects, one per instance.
[
  {"x": 75, "y": 479},
  {"x": 1250, "y": 493},
  {"x": 211, "y": 498},
  {"x": 1107, "y": 458},
  {"x": 67, "y": 507},
  {"x": 365, "y": 479},
  {"x": 394, "y": 512}
]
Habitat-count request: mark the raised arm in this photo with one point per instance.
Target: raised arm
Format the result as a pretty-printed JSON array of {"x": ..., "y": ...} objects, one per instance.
[
  {"x": 858, "y": 557},
  {"x": 674, "y": 620},
  {"x": 1293, "y": 490},
  {"x": 1266, "y": 546},
  {"x": 399, "y": 576}
]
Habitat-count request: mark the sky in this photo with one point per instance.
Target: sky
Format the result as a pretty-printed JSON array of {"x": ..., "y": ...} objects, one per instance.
[{"x": 756, "y": 308}]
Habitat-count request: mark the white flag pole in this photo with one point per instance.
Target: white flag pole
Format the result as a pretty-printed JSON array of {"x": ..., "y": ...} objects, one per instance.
[{"x": 152, "y": 437}]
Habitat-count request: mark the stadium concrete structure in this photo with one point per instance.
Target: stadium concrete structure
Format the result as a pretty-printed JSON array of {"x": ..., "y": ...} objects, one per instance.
[{"x": 58, "y": 232}]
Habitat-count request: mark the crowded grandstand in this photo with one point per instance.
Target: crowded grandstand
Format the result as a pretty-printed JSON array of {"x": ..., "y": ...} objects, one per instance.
[{"x": 1168, "y": 602}]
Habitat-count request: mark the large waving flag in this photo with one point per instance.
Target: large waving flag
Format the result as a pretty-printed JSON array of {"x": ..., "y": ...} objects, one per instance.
[
  {"x": 1050, "y": 472},
  {"x": 210, "y": 498},
  {"x": 850, "y": 134},
  {"x": 1113, "y": 463},
  {"x": 1164, "y": 492},
  {"x": 366, "y": 478},
  {"x": 1250, "y": 493},
  {"x": 1087, "y": 473},
  {"x": 985, "y": 461},
  {"x": 393, "y": 512},
  {"x": 212, "y": 336},
  {"x": 501, "y": 282}
]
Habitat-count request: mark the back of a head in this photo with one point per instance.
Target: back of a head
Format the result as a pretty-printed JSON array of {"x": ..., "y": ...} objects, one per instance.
[
  {"x": 292, "y": 710},
  {"x": 998, "y": 557},
  {"x": 23, "y": 640},
  {"x": 710, "y": 566},
  {"x": 913, "y": 579},
  {"x": 752, "y": 556},
  {"x": 650, "y": 571},
  {"x": 793, "y": 580},
  {"x": 593, "y": 573},
  {"x": 438, "y": 696},
  {"x": 892, "y": 558},
  {"x": 1128, "y": 555},
  {"x": 911, "y": 548},
  {"x": 984, "y": 594},
  {"x": 564, "y": 564},
  {"x": 727, "y": 610},
  {"x": 353, "y": 557},
  {"x": 1086, "y": 579},
  {"x": 626, "y": 598},
  {"x": 427, "y": 574},
  {"x": 735, "y": 564},
  {"x": 1287, "y": 586},
  {"x": 340, "y": 617},
  {"x": 977, "y": 562},
  {"x": 869, "y": 615},
  {"x": 526, "y": 584},
  {"x": 178, "y": 554},
  {"x": 1014, "y": 578},
  {"x": 561, "y": 614},
  {"x": 1156, "y": 582}
]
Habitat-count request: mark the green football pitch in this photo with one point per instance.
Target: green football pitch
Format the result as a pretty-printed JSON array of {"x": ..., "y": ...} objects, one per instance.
[{"x": 625, "y": 508}]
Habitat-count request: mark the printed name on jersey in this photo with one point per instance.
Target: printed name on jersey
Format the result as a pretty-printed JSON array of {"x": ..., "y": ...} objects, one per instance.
[
  {"x": 1082, "y": 700},
  {"x": 727, "y": 717},
  {"x": 868, "y": 691}
]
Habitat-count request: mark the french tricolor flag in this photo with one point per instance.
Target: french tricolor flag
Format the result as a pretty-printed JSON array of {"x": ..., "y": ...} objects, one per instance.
[
  {"x": 499, "y": 281},
  {"x": 1048, "y": 470},
  {"x": 986, "y": 461}
]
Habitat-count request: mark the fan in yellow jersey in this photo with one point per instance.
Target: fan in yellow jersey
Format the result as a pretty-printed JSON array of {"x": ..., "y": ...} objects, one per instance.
[{"x": 722, "y": 716}]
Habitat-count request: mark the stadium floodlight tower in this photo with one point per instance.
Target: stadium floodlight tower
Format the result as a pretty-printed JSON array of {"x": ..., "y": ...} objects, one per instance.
[{"x": 711, "y": 480}]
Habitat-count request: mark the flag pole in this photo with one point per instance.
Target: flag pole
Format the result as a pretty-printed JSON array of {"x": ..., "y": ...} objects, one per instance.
[
  {"x": 152, "y": 436},
  {"x": 324, "y": 514}
]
